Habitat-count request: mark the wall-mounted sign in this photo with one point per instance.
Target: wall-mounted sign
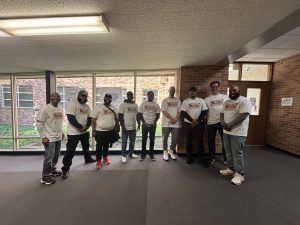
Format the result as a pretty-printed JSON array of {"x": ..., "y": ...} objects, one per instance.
[{"x": 287, "y": 101}]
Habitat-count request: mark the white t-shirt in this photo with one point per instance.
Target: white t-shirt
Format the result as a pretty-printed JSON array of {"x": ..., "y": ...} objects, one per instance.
[
  {"x": 231, "y": 108},
  {"x": 52, "y": 119},
  {"x": 129, "y": 110},
  {"x": 149, "y": 111},
  {"x": 214, "y": 104},
  {"x": 81, "y": 113},
  {"x": 105, "y": 117},
  {"x": 193, "y": 107},
  {"x": 172, "y": 106}
]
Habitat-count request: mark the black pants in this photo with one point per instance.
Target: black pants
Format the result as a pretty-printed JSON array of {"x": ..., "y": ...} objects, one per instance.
[
  {"x": 103, "y": 139},
  {"x": 71, "y": 147},
  {"x": 211, "y": 132},
  {"x": 194, "y": 133},
  {"x": 145, "y": 131}
]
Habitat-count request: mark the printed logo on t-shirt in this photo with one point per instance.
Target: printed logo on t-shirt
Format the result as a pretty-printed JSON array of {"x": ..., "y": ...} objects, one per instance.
[
  {"x": 149, "y": 107},
  {"x": 84, "y": 110},
  {"x": 58, "y": 115},
  {"x": 132, "y": 109},
  {"x": 173, "y": 104},
  {"x": 231, "y": 106},
  {"x": 107, "y": 112},
  {"x": 217, "y": 102},
  {"x": 194, "y": 105}
]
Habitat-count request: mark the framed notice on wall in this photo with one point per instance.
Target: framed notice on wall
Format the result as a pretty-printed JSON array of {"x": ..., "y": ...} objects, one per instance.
[{"x": 286, "y": 101}]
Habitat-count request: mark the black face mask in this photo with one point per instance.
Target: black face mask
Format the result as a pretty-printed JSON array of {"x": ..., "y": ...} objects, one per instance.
[
  {"x": 235, "y": 96},
  {"x": 107, "y": 101}
]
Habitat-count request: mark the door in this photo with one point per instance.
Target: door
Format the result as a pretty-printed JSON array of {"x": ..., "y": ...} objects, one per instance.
[{"x": 258, "y": 93}]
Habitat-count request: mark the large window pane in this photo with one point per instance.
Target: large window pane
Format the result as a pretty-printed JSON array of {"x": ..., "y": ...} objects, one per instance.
[
  {"x": 117, "y": 84},
  {"x": 159, "y": 83},
  {"x": 5, "y": 116},
  {"x": 68, "y": 87},
  {"x": 30, "y": 97},
  {"x": 256, "y": 72}
]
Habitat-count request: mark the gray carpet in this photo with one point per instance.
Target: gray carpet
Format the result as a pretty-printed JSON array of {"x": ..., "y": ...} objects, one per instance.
[
  {"x": 88, "y": 198},
  {"x": 153, "y": 193}
]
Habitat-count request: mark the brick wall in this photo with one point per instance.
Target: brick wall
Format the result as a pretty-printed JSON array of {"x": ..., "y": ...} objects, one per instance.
[
  {"x": 283, "y": 129},
  {"x": 200, "y": 77}
]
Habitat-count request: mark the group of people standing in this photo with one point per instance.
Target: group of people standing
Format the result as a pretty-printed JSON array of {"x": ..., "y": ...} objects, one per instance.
[{"x": 228, "y": 115}]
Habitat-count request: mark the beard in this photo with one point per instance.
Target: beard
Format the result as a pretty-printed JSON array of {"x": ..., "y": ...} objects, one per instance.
[{"x": 234, "y": 97}]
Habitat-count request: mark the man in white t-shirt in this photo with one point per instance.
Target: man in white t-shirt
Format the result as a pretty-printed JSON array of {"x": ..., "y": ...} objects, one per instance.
[
  {"x": 193, "y": 110},
  {"x": 78, "y": 114},
  {"x": 170, "y": 123},
  {"x": 214, "y": 103},
  {"x": 235, "y": 119},
  {"x": 104, "y": 119},
  {"x": 149, "y": 113},
  {"x": 49, "y": 125},
  {"x": 128, "y": 111}
]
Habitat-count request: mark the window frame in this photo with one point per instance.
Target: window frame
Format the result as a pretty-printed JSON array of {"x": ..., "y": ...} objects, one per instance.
[{"x": 18, "y": 93}]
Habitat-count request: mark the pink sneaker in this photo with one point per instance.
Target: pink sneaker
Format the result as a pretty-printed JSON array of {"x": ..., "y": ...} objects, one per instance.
[
  {"x": 98, "y": 164},
  {"x": 105, "y": 160}
]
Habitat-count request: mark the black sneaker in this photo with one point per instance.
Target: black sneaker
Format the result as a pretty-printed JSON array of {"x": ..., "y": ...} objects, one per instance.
[
  {"x": 48, "y": 180},
  {"x": 152, "y": 157},
  {"x": 189, "y": 159},
  {"x": 56, "y": 173},
  {"x": 90, "y": 160},
  {"x": 65, "y": 174},
  {"x": 142, "y": 157}
]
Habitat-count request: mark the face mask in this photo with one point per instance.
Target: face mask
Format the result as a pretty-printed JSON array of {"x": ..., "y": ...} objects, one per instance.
[
  {"x": 107, "y": 101},
  {"x": 234, "y": 97}
]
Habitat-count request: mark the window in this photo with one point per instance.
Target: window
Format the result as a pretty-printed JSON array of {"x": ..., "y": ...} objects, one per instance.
[
  {"x": 6, "y": 93},
  {"x": 256, "y": 72},
  {"x": 118, "y": 94},
  {"x": 155, "y": 91},
  {"x": 24, "y": 96},
  {"x": 233, "y": 72},
  {"x": 67, "y": 94}
]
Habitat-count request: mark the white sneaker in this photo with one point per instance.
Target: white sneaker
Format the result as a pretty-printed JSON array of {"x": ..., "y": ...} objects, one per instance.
[
  {"x": 237, "y": 179},
  {"x": 166, "y": 155},
  {"x": 226, "y": 172},
  {"x": 134, "y": 156},
  {"x": 123, "y": 159},
  {"x": 172, "y": 155}
]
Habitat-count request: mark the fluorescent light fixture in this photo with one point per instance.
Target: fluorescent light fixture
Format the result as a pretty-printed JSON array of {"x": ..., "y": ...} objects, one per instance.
[{"x": 55, "y": 25}]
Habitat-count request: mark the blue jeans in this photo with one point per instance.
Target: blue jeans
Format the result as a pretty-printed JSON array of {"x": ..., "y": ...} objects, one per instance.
[
  {"x": 52, "y": 151},
  {"x": 234, "y": 148},
  {"x": 165, "y": 135},
  {"x": 211, "y": 132},
  {"x": 131, "y": 134}
]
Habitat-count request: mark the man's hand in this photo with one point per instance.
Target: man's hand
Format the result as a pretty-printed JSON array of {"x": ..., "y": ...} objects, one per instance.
[
  {"x": 84, "y": 128},
  {"x": 139, "y": 127},
  {"x": 195, "y": 123},
  {"x": 45, "y": 141},
  {"x": 173, "y": 120},
  {"x": 226, "y": 127},
  {"x": 62, "y": 136},
  {"x": 93, "y": 133},
  {"x": 124, "y": 130}
]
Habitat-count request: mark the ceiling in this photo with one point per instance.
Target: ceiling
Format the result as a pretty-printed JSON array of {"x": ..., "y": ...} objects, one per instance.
[{"x": 144, "y": 34}]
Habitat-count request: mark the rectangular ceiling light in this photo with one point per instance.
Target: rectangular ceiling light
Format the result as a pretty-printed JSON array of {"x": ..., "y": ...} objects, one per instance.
[{"x": 54, "y": 25}]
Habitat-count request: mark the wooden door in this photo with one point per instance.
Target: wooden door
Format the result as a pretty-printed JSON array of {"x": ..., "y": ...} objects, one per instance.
[{"x": 258, "y": 93}]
